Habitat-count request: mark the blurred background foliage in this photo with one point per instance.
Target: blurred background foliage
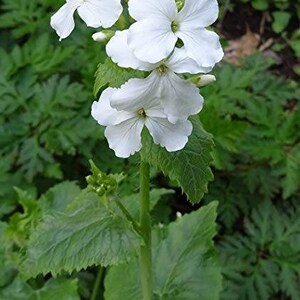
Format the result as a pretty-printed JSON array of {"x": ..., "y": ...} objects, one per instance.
[{"x": 47, "y": 137}]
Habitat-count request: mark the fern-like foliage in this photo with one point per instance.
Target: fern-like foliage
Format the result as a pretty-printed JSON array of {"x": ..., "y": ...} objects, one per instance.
[{"x": 264, "y": 261}]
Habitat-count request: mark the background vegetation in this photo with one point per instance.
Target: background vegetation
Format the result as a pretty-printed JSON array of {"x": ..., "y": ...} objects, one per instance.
[{"x": 47, "y": 137}]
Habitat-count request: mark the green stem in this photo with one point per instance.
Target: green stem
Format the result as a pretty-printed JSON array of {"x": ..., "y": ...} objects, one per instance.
[
  {"x": 145, "y": 225},
  {"x": 129, "y": 216},
  {"x": 97, "y": 283}
]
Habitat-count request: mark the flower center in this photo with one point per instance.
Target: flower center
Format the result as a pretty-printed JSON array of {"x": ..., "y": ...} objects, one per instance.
[
  {"x": 162, "y": 69},
  {"x": 142, "y": 113},
  {"x": 174, "y": 26}
]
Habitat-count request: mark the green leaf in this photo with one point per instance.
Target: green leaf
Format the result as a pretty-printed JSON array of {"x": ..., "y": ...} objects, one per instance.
[
  {"x": 185, "y": 263},
  {"x": 281, "y": 20},
  {"x": 260, "y": 4},
  {"x": 263, "y": 259},
  {"x": 60, "y": 288},
  {"x": 90, "y": 235},
  {"x": 131, "y": 202},
  {"x": 291, "y": 182},
  {"x": 189, "y": 166},
  {"x": 111, "y": 74},
  {"x": 58, "y": 197}
]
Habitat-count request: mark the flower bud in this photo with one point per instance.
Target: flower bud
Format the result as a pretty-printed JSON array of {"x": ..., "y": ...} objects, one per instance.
[
  {"x": 178, "y": 215},
  {"x": 103, "y": 36},
  {"x": 206, "y": 80}
]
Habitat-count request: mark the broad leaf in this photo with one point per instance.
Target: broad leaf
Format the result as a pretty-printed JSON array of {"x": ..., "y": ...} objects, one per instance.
[
  {"x": 189, "y": 166},
  {"x": 109, "y": 73},
  {"x": 90, "y": 235},
  {"x": 59, "y": 288},
  {"x": 185, "y": 263}
]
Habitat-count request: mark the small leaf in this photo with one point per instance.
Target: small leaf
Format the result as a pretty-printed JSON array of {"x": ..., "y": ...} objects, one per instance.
[
  {"x": 111, "y": 74},
  {"x": 281, "y": 20},
  {"x": 189, "y": 166},
  {"x": 91, "y": 235},
  {"x": 185, "y": 263}
]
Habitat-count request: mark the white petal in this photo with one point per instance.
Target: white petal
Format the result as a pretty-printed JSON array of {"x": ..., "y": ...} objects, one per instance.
[
  {"x": 136, "y": 93},
  {"x": 125, "y": 138},
  {"x": 142, "y": 9},
  {"x": 171, "y": 136},
  {"x": 151, "y": 40},
  {"x": 201, "y": 45},
  {"x": 199, "y": 13},
  {"x": 121, "y": 54},
  {"x": 104, "y": 114},
  {"x": 96, "y": 13},
  {"x": 154, "y": 109},
  {"x": 63, "y": 21},
  {"x": 179, "y": 97},
  {"x": 180, "y": 63}
]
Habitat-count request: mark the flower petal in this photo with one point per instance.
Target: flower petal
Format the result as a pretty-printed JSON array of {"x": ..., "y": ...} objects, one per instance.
[
  {"x": 96, "y": 13},
  {"x": 180, "y": 63},
  {"x": 104, "y": 114},
  {"x": 199, "y": 13},
  {"x": 152, "y": 40},
  {"x": 142, "y": 9},
  {"x": 121, "y": 54},
  {"x": 179, "y": 97},
  {"x": 63, "y": 21},
  {"x": 171, "y": 136},
  {"x": 136, "y": 93},
  {"x": 201, "y": 45},
  {"x": 125, "y": 138}
]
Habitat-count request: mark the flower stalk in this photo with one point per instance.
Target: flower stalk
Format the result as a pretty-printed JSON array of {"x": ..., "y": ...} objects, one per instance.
[{"x": 145, "y": 224}]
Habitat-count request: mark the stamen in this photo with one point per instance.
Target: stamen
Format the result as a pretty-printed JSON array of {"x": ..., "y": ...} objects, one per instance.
[
  {"x": 142, "y": 113},
  {"x": 174, "y": 26}
]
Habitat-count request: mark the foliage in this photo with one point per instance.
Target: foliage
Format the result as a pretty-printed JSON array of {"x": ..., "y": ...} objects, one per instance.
[
  {"x": 264, "y": 260},
  {"x": 189, "y": 236},
  {"x": 251, "y": 115},
  {"x": 194, "y": 160}
]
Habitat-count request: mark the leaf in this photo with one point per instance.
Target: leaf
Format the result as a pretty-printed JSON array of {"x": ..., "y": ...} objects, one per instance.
[
  {"x": 263, "y": 260},
  {"x": 281, "y": 20},
  {"x": 185, "y": 263},
  {"x": 291, "y": 182},
  {"x": 132, "y": 202},
  {"x": 60, "y": 288},
  {"x": 111, "y": 74},
  {"x": 189, "y": 166},
  {"x": 58, "y": 197},
  {"x": 91, "y": 235}
]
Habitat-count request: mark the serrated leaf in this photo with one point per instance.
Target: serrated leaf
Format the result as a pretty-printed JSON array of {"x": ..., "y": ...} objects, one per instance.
[
  {"x": 92, "y": 235},
  {"x": 111, "y": 74},
  {"x": 185, "y": 263},
  {"x": 189, "y": 166}
]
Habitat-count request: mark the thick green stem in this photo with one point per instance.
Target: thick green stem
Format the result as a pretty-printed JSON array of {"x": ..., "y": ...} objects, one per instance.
[
  {"x": 145, "y": 225},
  {"x": 97, "y": 283}
]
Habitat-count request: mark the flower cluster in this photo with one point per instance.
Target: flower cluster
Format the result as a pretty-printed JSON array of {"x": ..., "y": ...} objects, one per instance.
[{"x": 168, "y": 39}]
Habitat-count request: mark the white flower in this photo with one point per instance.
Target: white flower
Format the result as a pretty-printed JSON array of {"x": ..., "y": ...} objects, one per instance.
[
  {"x": 124, "y": 127},
  {"x": 95, "y": 13},
  {"x": 179, "y": 97},
  {"x": 159, "y": 26}
]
